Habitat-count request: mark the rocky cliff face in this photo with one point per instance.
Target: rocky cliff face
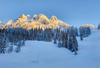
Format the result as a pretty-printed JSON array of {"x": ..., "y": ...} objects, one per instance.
[{"x": 37, "y": 21}]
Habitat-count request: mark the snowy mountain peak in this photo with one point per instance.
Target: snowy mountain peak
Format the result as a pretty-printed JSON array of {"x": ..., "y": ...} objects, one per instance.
[
  {"x": 38, "y": 21},
  {"x": 40, "y": 18},
  {"x": 1, "y": 25},
  {"x": 28, "y": 15},
  {"x": 9, "y": 22},
  {"x": 87, "y": 25},
  {"x": 23, "y": 16},
  {"x": 54, "y": 18}
]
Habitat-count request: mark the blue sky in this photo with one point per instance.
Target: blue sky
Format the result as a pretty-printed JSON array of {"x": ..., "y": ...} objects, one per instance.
[{"x": 73, "y": 12}]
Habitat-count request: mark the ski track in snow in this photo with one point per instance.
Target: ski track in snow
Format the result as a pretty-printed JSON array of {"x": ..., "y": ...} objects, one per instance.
[{"x": 40, "y": 54}]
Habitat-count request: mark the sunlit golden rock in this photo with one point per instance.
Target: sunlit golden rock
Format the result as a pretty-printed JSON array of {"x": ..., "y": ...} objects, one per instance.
[
  {"x": 38, "y": 21},
  {"x": 23, "y": 16},
  {"x": 54, "y": 18},
  {"x": 1, "y": 25},
  {"x": 87, "y": 25}
]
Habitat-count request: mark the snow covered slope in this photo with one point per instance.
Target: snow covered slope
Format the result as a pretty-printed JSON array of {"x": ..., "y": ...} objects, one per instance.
[{"x": 39, "y": 54}]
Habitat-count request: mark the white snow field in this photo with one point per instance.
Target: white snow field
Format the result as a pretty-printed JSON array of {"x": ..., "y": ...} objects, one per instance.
[{"x": 40, "y": 54}]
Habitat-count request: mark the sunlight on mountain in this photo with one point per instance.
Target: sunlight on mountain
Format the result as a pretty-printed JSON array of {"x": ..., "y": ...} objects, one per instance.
[
  {"x": 38, "y": 21},
  {"x": 87, "y": 25}
]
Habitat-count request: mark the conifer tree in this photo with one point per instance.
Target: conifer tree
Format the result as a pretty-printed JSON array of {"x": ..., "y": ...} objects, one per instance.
[
  {"x": 75, "y": 45},
  {"x": 70, "y": 42},
  {"x": 23, "y": 44},
  {"x": 10, "y": 49},
  {"x": 59, "y": 42},
  {"x": 66, "y": 41},
  {"x": 81, "y": 37},
  {"x": 63, "y": 40},
  {"x": 55, "y": 41},
  {"x": 98, "y": 26},
  {"x": 18, "y": 46}
]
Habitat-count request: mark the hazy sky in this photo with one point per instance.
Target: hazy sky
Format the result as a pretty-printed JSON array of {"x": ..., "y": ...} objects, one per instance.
[{"x": 73, "y": 12}]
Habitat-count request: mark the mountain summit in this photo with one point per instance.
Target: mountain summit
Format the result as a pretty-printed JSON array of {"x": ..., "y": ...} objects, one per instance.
[{"x": 37, "y": 21}]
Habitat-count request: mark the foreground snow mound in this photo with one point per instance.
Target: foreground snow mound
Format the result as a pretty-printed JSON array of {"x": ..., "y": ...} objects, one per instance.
[{"x": 39, "y": 54}]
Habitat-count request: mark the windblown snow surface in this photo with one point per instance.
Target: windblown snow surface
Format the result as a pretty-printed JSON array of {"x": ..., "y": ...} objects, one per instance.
[{"x": 40, "y": 54}]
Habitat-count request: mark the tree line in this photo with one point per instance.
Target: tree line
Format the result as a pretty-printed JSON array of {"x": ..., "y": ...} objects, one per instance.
[{"x": 63, "y": 38}]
